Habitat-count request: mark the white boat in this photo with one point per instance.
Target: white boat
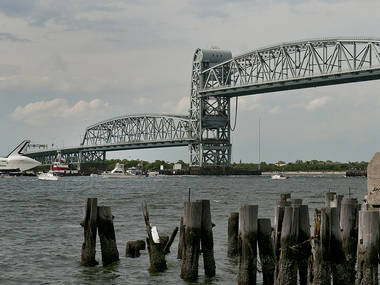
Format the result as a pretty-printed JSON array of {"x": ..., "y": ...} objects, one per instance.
[
  {"x": 47, "y": 176},
  {"x": 118, "y": 172},
  {"x": 279, "y": 176},
  {"x": 153, "y": 173}
]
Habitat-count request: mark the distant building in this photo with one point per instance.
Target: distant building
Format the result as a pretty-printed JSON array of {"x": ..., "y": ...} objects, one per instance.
[{"x": 177, "y": 166}]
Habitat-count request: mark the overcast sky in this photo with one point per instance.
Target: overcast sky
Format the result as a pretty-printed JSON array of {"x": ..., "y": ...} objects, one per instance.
[{"x": 68, "y": 64}]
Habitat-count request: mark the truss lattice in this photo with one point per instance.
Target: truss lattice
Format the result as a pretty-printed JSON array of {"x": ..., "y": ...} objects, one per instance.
[
  {"x": 138, "y": 129},
  {"x": 295, "y": 65}
]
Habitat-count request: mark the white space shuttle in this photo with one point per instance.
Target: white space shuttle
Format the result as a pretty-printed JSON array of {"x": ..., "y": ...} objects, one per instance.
[{"x": 16, "y": 161}]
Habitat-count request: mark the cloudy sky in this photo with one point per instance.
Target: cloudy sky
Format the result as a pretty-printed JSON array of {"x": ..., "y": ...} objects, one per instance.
[{"x": 65, "y": 65}]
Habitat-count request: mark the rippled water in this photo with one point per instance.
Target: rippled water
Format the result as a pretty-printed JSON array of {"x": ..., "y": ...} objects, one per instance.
[{"x": 41, "y": 237}]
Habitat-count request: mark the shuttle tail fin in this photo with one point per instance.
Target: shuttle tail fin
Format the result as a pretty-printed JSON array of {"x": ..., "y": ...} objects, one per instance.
[{"x": 19, "y": 150}]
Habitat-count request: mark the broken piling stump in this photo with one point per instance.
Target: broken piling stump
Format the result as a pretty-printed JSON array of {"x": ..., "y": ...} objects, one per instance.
[
  {"x": 132, "y": 248},
  {"x": 233, "y": 228},
  {"x": 107, "y": 237},
  {"x": 266, "y": 250},
  {"x": 89, "y": 224},
  {"x": 248, "y": 244},
  {"x": 193, "y": 223},
  {"x": 368, "y": 248},
  {"x": 155, "y": 248}
]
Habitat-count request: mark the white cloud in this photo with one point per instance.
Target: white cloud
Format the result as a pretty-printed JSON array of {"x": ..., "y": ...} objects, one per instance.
[
  {"x": 317, "y": 103},
  {"x": 183, "y": 106},
  {"x": 143, "y": 100},
  {"x": 45, "y": 112}
]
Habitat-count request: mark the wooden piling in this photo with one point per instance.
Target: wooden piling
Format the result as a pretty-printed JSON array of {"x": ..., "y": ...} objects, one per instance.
[
  {"x": 181, "y": 239},
  {"x": 321, "y": 271},
  {"x": 190, "y": 260},
  {"x": 233, "y": 228},
  {"x": 266, "y": 250},
  {"x": 207, "y": 240},
  {"x": 287, "y": 267},
  {"x": 89, "y": 223},
  {"x": 278, "y": 218},
  {"x": 155, "y": 250},
  {"x": 304, "y": 244},
  {"x": 368, "y": 248},
  {"x": 349, "y": 225},
  {"x": 336, "y": 255},
  {"x": 132, "y": 248},
  {"x": 248, "y": 242},
  {"x": 107, "y": 237}
]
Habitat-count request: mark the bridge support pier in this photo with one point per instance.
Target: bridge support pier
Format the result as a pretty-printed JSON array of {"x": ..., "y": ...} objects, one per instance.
[{"x": 209, "y": 116}]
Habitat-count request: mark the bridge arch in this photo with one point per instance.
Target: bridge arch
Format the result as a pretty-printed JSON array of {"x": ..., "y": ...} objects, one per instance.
[{"x": 139, "y": 128}]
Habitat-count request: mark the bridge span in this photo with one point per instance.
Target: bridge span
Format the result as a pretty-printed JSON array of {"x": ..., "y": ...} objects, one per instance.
[
  {"x": 123, "y": 133},
  {"x": 216, "y": 77}
]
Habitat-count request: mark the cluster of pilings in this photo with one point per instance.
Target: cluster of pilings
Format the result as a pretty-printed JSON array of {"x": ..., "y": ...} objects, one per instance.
[
  {"x": 344, "y": 248},
  {"x": 98, "y": 219}
]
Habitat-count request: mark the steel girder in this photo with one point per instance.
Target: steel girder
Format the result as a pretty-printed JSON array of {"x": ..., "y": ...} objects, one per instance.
[
  {"x": 294, "y": 65},
  {"x": 209, "y": 116}
]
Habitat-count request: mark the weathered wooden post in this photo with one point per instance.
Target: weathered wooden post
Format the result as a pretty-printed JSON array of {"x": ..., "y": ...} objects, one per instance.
[
  {"x": 368, "y": 248},
  {"x": 207, "y": 240},
  {"x": 248, "y": 244},
  {"x": 132, "y": 248},
  {"x": 336, "y": 255},
  {"x": 155, "y": 249},
  {"x": 181, "y": 239},
  {"x": 304, "y": 244},
  {"x": 278, "y": 218},
  {"x": 321, "y": 273},
  {"x": 89, "y": 222},
  {"x": 107, "y": 237},
  {"x": 349, "y": 225},
  {"x": 233, "y": 229},
  {"x": 193, "y": 222},
  {"x": 287, "y": 268},
  {"x": 266, "y": 250}
]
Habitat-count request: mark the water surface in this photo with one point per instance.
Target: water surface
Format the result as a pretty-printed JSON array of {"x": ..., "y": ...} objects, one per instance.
[{"x": 41, "y": 237}]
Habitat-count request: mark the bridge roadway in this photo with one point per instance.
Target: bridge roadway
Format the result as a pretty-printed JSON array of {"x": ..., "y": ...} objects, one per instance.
[{"x": 216, "y": 77}]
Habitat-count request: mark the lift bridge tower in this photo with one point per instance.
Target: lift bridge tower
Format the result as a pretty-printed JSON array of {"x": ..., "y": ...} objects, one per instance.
[{"x": 209, "y": 116}]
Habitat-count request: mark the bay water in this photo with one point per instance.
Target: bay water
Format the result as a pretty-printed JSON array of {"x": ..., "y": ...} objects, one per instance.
[{"x": 41, "y": 239}]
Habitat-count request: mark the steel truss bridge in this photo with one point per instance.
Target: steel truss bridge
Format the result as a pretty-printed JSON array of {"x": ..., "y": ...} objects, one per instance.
[
  {"x": 123, "y": 133},
  {"x": 217, "y": 77}
]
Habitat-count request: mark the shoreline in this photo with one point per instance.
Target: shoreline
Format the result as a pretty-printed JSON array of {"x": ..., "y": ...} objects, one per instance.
[{"x": 306, "y": 172}]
